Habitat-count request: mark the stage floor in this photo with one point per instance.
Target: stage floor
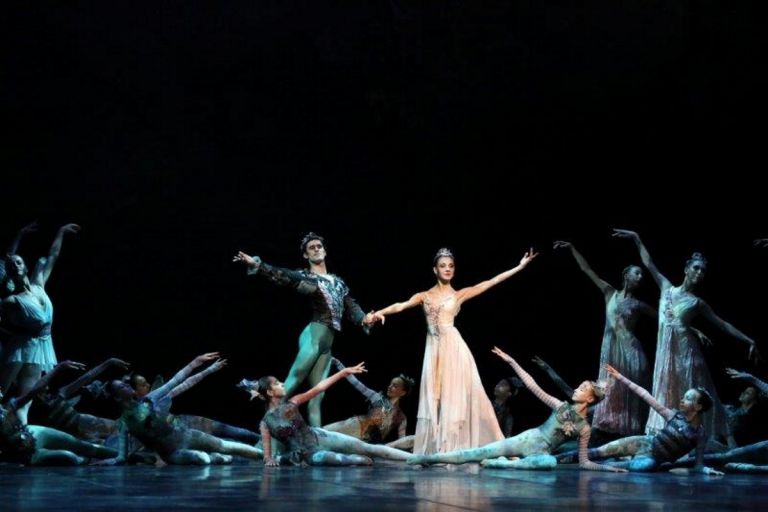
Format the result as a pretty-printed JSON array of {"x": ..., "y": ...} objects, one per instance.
[{"x": 386, "y": 486}]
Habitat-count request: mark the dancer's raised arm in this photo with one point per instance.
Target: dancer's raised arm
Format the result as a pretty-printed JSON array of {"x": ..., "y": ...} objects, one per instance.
[
  {"x": 53, "y": 254},
  {"x": 542, "y": 395},
  {"x": 470, "y": 292},
  {"x": 327, "y": 383},
  {"x": 604, "y": 286},
  {"x": 73, "y": 388},
  {"x": 759, "y": 384},
  {"x": 645, "y": 256},
  {"x": 665, "y": 412}
]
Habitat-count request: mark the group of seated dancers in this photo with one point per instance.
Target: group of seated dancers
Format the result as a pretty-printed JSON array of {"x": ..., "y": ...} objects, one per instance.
[{"x": 456, "y": 421}]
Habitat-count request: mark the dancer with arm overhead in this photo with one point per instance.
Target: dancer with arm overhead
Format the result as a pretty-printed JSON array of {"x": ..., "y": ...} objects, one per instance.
[
  {"x": 622, "y": 413},
  {"x": 29, "y": 351},
  {"x": 680, "y": 364}
]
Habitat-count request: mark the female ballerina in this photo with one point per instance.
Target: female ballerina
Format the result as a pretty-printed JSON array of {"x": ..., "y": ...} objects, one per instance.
[
  {"x": 622, "y": 413},
  {"x": 680, "y": 363},
  {"x": 28, "y": 309},
  {"x": 454, "y": 411},
  {"x": 384, "y": 414},
  {"x": 536, "y": 445},
  {"x": 309, "y": 445}
]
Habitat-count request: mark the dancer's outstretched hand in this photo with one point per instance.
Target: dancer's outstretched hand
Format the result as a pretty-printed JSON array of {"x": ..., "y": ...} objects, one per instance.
[
  {"x": 612, "y": 371},
  {"x": 735, "y": 374},
  {"x": 204, "y": 358},
  {"x": 113, "y": 361},
  {"x": 30, "y": 228},
  {"x": 360, "y": 368},
  {"x": 241, "y": 257},
  {"x": 506, "y": 357},
  {"x": 528, "y": 257},
  {"x": 625, "y": 233},
  {"x": 70, "y": 228}
]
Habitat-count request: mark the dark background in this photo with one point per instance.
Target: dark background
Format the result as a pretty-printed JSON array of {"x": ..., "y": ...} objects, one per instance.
[{"x": 178, "y": 133}]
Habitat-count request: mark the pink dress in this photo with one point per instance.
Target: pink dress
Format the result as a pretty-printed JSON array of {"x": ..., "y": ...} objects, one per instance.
[{"x": 454, "y": 410}]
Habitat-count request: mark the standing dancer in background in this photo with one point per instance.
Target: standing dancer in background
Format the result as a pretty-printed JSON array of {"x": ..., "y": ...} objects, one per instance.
[
  {"x": 503, "y": 393},
  {"x": 29, "y": 351},
  {"x": 622, "y": 413},
  {"x": 680, "y": 363}
]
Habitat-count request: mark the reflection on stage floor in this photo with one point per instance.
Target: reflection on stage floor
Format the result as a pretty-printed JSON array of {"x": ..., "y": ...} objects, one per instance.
[{"x": 385, "y": 486}]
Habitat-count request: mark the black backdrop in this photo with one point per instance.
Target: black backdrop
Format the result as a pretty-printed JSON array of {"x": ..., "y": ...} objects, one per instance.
[{"x": 178, "y": 133}]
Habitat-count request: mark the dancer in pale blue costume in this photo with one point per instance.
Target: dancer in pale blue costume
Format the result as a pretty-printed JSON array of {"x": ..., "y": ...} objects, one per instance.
[
  {"x": 680, "y": 363},
  {"x": 28, "y": 310},
  {"x": 622, "y": 412},
  {"x": 331, "y": 301}
]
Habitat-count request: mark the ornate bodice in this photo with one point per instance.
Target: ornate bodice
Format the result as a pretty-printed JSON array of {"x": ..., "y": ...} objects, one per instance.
[
  {"x": 440, "y": 312},
  {"x": 564, "y": 423},
  {"x": 286, "y": 424},
  {"x": 331, "y": 300},
  {"x": 677, "y": 307}
]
